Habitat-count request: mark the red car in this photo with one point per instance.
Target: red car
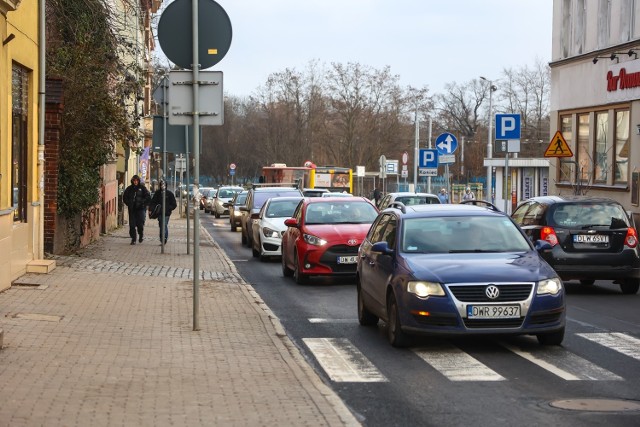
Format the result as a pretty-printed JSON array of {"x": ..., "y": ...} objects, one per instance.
[{"x": 323, "y": 237}]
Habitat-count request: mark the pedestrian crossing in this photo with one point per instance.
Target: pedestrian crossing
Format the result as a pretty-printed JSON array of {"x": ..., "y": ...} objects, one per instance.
[{"x": 342, "y": 361}]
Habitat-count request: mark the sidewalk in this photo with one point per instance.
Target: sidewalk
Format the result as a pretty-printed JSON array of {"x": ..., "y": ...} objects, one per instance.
[{"x": 106, "y": 339}]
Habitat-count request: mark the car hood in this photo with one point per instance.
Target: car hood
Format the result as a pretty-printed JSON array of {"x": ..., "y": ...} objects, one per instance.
[
  {"x": 339, "y": 232},
  {"x": 474, "y": 267},
  {"x": 276, "y": 224}
]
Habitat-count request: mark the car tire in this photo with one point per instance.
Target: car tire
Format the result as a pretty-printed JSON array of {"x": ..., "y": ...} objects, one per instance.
[
  {"x": 552, "y": 338},
  {"x": 233, "y": 227},
  {"x": 243, "y": 238},
  {"x": 365, "y": 317},
  {"x": 254, "y": 251},
  {"x": 286, "y": 271},
  {"x": 587, "y": 282},
  {"x": 396, "y": 336},
  {"x": 298, "y": 276},
  {"x": 216, "y": 214},
  {"x": 630, "y": 286}
]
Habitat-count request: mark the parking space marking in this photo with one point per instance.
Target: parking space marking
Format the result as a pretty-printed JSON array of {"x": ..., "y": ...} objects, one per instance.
[
  {"x": 457, "y": 365},
  {"x": 563, "y": 363},
  {"x": 342, "y": 361},
  {"x": 622, "y": 343}
]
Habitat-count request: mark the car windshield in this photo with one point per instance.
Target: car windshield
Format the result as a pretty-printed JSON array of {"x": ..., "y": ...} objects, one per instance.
[
  {"x": 261, "y": 197},
  {"x": 281, "y": 208},
  {"x": 587, "y": 215},
  {"x": 462, "y": 234},
  {"x": 347, "y": 212},
  {"x": 417, "y": 200},
  {"x": 226, "y": 193},
  {"x": 240, "y": 199}
]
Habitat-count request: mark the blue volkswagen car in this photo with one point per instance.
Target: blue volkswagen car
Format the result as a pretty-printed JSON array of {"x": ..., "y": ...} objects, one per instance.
[{"x": 456, "y": 269}]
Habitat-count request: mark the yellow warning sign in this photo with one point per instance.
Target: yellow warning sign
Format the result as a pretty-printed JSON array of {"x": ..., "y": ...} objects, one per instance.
[{"x": 558, "y": 147}]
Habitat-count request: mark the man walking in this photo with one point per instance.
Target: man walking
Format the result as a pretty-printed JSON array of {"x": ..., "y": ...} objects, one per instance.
[
  {"x": 169, "y": 205},
  {"x": 137, "y": 198}
]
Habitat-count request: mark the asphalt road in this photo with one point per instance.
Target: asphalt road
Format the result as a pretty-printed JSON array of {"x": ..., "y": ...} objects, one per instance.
[{"x": 466, "y": 381}]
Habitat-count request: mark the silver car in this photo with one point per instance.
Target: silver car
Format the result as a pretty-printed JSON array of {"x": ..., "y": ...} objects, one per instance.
[{"x": 224, "y": 195}]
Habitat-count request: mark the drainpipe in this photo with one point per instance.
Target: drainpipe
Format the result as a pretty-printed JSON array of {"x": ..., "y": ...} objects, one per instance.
[{"x": 41, "y": 111}]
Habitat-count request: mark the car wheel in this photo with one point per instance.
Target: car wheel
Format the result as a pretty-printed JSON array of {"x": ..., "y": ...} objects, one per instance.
[
  {"x": 630, "y": 286},
  {"x": 286, "y": 271},
  {"x": 217, "y": 215},
  {"x": 254, "y": 251},
  {"x": 298, "y": 276},
  {"x": 553, "y": 338},
  {"x": 396, "y": 336},
  {"x": 365, "y": 317},
  {"x": 587, "y": 282},
  {"x": 244, "y": 238},
  {"x": 233, "y": 227}
]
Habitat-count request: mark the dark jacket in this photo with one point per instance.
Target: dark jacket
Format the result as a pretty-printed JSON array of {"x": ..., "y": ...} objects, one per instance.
[
  {"x": 169, "y": 200},
  {"x": 136, "y": 197}
]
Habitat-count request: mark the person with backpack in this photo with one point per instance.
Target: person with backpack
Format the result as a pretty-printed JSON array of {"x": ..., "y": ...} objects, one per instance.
[
  {"x": 137, "y": 198},
  {"x": 155, "y": 209}
]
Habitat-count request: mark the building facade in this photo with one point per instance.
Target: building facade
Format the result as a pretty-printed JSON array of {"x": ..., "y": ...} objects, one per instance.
[{"x": 595, "y": 98}]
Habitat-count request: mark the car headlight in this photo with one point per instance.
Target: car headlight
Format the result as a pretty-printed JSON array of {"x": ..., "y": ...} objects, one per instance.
[
  {"x": 237, "y": 213},
  {"x": 549, "y": 286},
  {"x": 269, "y": 232},
  {"x": 314, "y": 240},
  {"x": 425, "y": 289}
]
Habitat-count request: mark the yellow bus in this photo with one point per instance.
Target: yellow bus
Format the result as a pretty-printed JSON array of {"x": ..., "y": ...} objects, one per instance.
[{"x": 331, "y": 178}]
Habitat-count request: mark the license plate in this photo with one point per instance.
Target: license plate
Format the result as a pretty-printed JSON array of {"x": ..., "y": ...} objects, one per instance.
[
  {"x": 590, "y": 238},
  {"x": 348, "y": 259},
  {"x": 493, "y": 311}
]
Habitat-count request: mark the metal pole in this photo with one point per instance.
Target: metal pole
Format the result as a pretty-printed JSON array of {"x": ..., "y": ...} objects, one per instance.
[
  {"x": 415, "y": 153},
  {"x": 489, "y": 138},
  {"x": 507, "y": 187},
  {"x": 165, "y": 103},
  {"x": 196, "y": 166},
  {"x": 462, "y": 161},
  {"x": 429, "y": 177},
  {"x": 186, "y": 166}
]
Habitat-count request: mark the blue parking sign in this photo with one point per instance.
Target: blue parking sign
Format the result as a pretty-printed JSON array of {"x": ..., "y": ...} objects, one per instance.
[
  {"x": 428, "y": 158},
  {"x": 507, "y": 126}
]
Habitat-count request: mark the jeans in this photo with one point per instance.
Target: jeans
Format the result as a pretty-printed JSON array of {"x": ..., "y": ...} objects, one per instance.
[{"x": 166, "y": 227}]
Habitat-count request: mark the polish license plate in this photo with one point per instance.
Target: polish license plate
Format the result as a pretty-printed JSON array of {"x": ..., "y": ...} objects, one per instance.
[
  {"x": 348, "y": 259},
  {"x": 493, "y": 311},
  {"x": 590, "y": 238}
]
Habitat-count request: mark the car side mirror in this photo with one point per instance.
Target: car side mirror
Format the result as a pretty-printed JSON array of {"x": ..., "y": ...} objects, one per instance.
[
  {"x": 291, "y": 222},
  {"x": 244, "y": 209},
  {"x": 382, "y": 247},
  {"x": 542, "y": 246}
]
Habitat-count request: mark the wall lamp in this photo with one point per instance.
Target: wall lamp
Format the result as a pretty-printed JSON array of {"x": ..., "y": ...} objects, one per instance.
[
  {"x": 611, "y": 57},
  {"x": 8, "y": 39},
  {"x": 616, "y": 55}
]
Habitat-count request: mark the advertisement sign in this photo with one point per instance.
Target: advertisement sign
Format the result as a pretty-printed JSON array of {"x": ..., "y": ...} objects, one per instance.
[{"x": 143, "y": 166}]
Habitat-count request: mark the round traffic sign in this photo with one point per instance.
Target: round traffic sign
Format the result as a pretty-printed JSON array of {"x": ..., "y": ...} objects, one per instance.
[
  {"x": 232, "y": 166},
  {"x": 446, "y": 143},
  {"x": 405, "y": 158}
]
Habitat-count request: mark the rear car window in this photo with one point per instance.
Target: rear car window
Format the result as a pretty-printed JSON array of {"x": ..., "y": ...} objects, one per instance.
[
  {"x": 417, "y": 200},
  {"x": 586, "y": 215},
  {"x": 261, "y": 197}
]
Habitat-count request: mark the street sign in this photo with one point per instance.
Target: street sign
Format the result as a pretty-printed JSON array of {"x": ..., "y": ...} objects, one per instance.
[
  {"x": 175, "y": 30},
  {"x": 177, "y": 137},
  {"x": 507, "y": 126},
  {"x": 428, "y": 158},
  {"x": 428, "y": 172},
  {"x": 405, "y": 158},
  {"x": 232, "y": 172},
  {"x": 446, "y": 158},
  {"x": 210, "y": 95},
  {"x": 558, "y": 147},
  {"x": 446, "y": 143},
  {"x": 360, "y": 171},
  {"x": 232, "y": 166},
  {"x": 383, "y": 167},
  {"x": 392, "y": 167}
]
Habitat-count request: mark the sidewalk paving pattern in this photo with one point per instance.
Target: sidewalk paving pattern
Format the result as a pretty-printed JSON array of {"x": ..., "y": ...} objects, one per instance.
[{"x": 106, "y": 339}]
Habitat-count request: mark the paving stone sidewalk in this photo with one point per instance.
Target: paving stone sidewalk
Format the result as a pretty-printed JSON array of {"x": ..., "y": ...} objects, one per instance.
[{"x": 106, "y": 339}]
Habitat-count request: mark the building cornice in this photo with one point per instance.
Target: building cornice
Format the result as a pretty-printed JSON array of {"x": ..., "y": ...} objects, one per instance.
[
  {"x": 633, "y": 44},
  {"x": 8, "y": 6}
]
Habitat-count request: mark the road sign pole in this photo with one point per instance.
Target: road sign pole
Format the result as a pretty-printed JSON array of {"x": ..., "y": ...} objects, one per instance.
[
  {"x": 196, "y": 165},
  {"x": 507, "y": 187},
  {"x": 415, "y": 154}
]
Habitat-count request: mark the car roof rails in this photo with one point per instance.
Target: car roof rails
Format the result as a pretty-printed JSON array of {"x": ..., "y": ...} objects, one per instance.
[
  {"x": 481, "y": 203},
  {"x": 398, "y": 205}
]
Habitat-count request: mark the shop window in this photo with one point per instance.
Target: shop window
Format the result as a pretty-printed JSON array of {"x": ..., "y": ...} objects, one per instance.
[
  {"x": 19, "y": 141},
  {"x": 622, "y": 147},
  {"x": 583, "y": 157},
  {"x": 602, "y": 147},
  {"x": 567, "y": 165}
]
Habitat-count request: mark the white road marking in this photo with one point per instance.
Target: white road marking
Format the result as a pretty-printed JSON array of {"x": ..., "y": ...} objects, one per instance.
[
  {"x": 564, "y": 364},
  {"x": 321, "y": 320},
  {"x": 622, "y": 343},
  {"x": 457, "y": 365},
  {"x": 342, "y": 361}
]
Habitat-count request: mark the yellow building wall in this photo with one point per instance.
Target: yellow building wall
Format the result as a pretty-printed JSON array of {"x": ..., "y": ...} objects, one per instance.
[{"x": 19, "y": 241}]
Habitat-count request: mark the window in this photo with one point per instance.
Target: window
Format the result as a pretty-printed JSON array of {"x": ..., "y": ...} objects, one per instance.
[
  {"x": 602, "y": 147},
  {"x": 566, "y": 165},
  {"x": 583, "y": 156},
  {"x": 19, "y": 119},
  {"x": 622, "y": 147}
]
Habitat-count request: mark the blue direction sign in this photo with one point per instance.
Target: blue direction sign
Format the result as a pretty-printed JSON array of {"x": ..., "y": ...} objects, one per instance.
[
  {"x": 507, "y": 126},
  {"x": 428, "y": 159},
  {"x": 446, "y": 143}
]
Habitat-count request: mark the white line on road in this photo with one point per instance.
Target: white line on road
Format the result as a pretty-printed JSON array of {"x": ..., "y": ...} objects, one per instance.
[
  {"x": 342, "y": 361},
  {"x": 457, "y": 365},
  {"x": 622, "y": 343},
  {"x": 564, "y": 364},
  {"x": 321, "y": 320}
]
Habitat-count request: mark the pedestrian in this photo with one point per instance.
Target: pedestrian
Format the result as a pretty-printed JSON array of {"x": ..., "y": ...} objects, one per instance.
[
  {"x": 376, "y": 195},
  {"x": 137, "y": 198},
  {"x": 169, "y": 205},
  {"x": 468, "y": 194},
  {"x": 443, "y": 196}
]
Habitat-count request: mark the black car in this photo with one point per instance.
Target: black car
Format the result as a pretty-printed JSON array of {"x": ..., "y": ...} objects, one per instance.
[{"x": 591, "y": 238}]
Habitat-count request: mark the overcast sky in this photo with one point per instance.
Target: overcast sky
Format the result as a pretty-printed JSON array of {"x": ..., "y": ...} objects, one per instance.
[{"x": 425, "y": 42}]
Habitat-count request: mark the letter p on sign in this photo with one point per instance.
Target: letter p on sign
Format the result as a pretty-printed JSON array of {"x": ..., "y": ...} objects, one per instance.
[{"x": 507, "y": 126}]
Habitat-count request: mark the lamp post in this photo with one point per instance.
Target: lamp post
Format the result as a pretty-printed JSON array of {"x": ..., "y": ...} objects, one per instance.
[{"x": 492, "y": 88}]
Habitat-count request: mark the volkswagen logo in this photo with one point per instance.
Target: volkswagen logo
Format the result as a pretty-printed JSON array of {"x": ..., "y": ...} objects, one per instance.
[
  {"x": 352, "y": 242},
  {"x": 492, "y": 291}
]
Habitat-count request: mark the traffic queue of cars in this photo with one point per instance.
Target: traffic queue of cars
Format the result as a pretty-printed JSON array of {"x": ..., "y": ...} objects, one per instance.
[{"x": 445, "y": 269}]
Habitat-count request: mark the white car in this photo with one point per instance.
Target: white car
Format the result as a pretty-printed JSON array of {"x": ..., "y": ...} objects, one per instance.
[
  {"x": 269, "y": 227},
  {"x": 224, "y": 195}
]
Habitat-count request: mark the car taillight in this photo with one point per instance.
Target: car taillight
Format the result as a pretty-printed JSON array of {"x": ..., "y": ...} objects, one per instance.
[
  {"x": 549, "y": 234},
  {"x": 632, "y": 237}
]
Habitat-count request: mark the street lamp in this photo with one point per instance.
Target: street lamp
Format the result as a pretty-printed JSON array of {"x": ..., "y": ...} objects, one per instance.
[{"x": 492, "y": 88}]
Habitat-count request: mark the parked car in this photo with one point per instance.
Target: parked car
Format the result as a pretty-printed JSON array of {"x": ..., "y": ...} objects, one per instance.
[
  {"x": 408, "y": 198},
  {"x": 456, "y": 270},
  {"x": 269, "y": 227},
  {"x": 234, "y": 209},
  {"x": 591, "y": 238},
  {"x": 255, "y": 199},
  {"x": 224, "y": 195},
  {"x": 323, "y": 236},
  {"x": 206, "y": 193},
  {"x": 336, "y": 194},
  {"x": 314, "y": 192}
]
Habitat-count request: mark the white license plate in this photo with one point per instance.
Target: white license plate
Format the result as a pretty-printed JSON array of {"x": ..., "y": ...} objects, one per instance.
[
  {"x": 590, "y": 238},
  {"x": 347, "y": 259},
  {"x": 493, "y": 311}
]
